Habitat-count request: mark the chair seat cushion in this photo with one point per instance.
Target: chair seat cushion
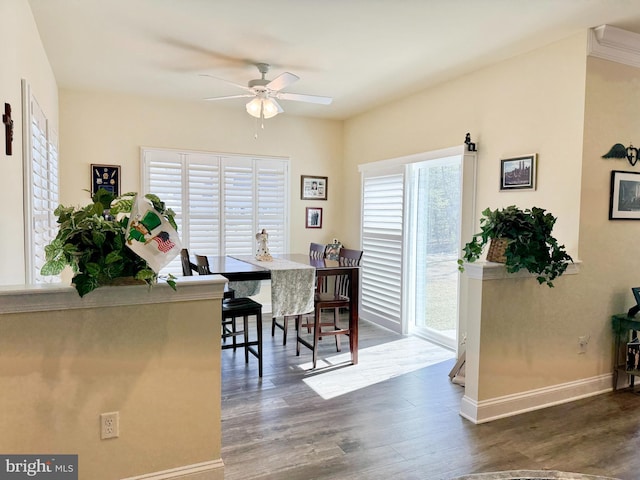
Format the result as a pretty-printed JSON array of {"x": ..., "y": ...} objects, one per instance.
[{"x": 240, "y": 305}]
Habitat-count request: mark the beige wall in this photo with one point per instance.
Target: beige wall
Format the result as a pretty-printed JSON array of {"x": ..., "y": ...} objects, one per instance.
[
  {"x": 156, "y": 364},
  {"x": 529, "y": 104},
  {"x": 111, "y": 128},
  {"x": 540, "y": 348},
  {"x": 22, "y": 57},
  {"x": 608, "y": 246}
]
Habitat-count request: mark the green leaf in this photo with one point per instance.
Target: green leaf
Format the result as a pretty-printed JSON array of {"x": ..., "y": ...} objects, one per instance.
[
  {"x": 113, "y": 257},
  {"x": 53, "y": 267},
  {"x": 146, "y": 274},
  {"x": 92, "y": 269}
]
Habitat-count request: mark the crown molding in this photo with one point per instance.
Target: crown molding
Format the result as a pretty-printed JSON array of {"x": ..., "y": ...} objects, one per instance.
[{"x": 615, "y": 44}]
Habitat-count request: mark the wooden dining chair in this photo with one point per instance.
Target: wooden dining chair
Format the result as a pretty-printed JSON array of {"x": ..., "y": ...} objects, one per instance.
[
  {"x": 336, "y": 300},
  {"x": 346, "y": 258},
  {"x": 233, "y": 309},
  {"x": 323, "y": 301},
  {"x": 316, "y": 251}
]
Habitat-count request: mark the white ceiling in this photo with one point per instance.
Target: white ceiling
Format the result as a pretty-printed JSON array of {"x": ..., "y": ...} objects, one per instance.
[{"x": 363, "y": 53}]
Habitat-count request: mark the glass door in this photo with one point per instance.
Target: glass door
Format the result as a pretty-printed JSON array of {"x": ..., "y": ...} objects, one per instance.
[{"x": 436, "y": 219}]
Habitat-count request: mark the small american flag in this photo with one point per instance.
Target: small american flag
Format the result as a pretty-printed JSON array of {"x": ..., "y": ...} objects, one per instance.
[{"x": 164, "y": 242}]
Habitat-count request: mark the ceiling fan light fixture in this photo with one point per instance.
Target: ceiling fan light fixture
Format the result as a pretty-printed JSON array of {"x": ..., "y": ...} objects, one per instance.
[{"x": 262, "y": 108}]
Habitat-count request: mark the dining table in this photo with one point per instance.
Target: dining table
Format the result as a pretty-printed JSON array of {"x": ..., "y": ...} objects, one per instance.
[{"x": 241, "y": 268}]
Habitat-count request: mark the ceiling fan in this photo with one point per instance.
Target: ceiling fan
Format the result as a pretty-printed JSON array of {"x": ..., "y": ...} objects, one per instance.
[{"x": 266, "y": 93}]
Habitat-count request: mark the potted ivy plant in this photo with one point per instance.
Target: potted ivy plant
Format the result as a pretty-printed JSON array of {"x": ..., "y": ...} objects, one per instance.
[
  {"x": 91, "y": 240},
  {"x": 527, "y": 242}
]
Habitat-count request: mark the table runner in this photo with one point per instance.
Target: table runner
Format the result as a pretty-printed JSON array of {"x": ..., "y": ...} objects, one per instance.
[
  {"x": 245, "y": 288},
  {"x": 292, "y": 285}
]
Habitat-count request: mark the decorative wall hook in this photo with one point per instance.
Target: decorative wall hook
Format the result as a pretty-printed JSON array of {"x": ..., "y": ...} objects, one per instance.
[
  {"x": 620, "y": 151},
  {"x": 470, "y": 145}
]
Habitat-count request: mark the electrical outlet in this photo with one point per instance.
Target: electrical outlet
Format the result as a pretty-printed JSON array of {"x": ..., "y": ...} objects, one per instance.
[
  {"x": 583, "y": 341},
  {"x": 109, "y": 425}
]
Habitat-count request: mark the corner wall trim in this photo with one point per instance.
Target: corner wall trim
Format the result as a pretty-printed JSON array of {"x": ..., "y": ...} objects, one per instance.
[
  {"x": 212, "y": 470},
  {"x": 509, "y": 405},
  {"x": 615, "y": 44}
]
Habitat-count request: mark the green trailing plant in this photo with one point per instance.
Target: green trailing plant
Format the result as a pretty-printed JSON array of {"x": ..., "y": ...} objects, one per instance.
[
  {"x": 530, "y": 244},
  {"x": 91, "y": 240}
]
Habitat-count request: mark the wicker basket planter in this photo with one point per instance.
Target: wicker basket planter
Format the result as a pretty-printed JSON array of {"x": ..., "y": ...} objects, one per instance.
[{"x": 497, "y": 248}]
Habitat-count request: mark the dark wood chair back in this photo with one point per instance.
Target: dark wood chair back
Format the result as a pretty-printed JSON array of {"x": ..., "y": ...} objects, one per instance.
[
  {"x": 346, "y": 258},
  {"x": 202, "y": 265},
  {"x": 187, "y": 267},
  {"x": 316, "y": 250}
]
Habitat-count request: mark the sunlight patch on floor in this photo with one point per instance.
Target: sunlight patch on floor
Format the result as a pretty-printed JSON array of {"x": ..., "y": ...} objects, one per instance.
[{"x": 375, "y": 364}]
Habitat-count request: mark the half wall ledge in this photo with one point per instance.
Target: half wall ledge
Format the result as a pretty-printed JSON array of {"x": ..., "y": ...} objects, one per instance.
[
  {"x": 497, "y": 271},
  {"x": 49, "y": 297}
]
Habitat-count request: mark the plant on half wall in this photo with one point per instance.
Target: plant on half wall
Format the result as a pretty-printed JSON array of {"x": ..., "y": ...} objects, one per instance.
[
  {"x": 91, "y": 240},
  {"x": 527, "y": 240}
]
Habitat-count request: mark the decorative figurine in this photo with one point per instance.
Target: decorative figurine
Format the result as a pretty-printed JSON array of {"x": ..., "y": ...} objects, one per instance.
[
  {"x": 332, "y": 251},
  {"x": 262, "y": 252}
]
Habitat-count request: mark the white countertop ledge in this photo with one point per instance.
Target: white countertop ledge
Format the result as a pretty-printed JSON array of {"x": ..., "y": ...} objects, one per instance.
[{"x": 50, "y": 297}]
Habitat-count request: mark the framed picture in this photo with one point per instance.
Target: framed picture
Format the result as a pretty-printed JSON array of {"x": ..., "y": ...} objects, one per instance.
[
  {"x": 313, "y": 188},
  {"x": 518, "y": 173},
  {"x": 624, "y": 202},
  {"x": 107, "y": 177},
  {"x": 313, "y": 217}
]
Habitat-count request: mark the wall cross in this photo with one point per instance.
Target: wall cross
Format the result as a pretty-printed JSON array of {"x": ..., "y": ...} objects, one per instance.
[{"x": 8, "y": 128}]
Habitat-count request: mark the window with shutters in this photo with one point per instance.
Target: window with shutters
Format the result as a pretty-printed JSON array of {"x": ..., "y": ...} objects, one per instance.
[
  {"x": 41, "y": 187},
  {"x": 221, "y": 201}
]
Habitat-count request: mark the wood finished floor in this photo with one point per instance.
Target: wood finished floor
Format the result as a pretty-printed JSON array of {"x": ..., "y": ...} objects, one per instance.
[{"x": 405, "y": 428}]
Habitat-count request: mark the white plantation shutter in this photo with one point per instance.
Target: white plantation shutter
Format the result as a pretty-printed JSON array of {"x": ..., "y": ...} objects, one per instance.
[
  {"x": 203, "y": 200},
  {"x": 221, "y": 202},
  {"x": 239, "y": 196},
  {"x": 41, "y": 188},
  {"x": 271, "y": 179},
  {"x": 382, "y": 241}
]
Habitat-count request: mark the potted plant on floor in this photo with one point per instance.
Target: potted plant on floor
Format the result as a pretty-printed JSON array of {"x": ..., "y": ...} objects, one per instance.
[
  {"x": 91, "y": 240},
  {"x": 521, "y": 239}
]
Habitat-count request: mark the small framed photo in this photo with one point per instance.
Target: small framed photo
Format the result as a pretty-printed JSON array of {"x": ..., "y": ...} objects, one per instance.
[
  {"x": 107, "y": 177},
  {"x": 518, "y": 173},
  {"x": 313, "y": 188},
  {"x": 624, "y": 201},
  {"x": 313, "y": 217}
]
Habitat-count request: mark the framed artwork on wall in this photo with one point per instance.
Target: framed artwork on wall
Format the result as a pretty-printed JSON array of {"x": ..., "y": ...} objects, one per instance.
[
  {"x": 313, "y": 188},
  {"x": 107, "y": 177},
  {"x": 313, "y": 217},
  {"x": 624, "y": 199},
  {"x": 518, "y": 173}
]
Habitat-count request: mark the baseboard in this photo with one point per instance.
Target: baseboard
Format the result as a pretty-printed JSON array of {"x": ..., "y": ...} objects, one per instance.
[
  {"x": 213, "y": 470},
  {"x": 510, "y": 405}
]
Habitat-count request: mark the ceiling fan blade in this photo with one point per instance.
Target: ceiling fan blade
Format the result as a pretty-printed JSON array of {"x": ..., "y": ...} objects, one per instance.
[
  {"x": 299, "y": 97},
  {"x": 243, "y": 87},
  {"x": 281, "y": 81},
  {"x": 280, "y": 109},
  {"x": 227, "y": 97}
]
